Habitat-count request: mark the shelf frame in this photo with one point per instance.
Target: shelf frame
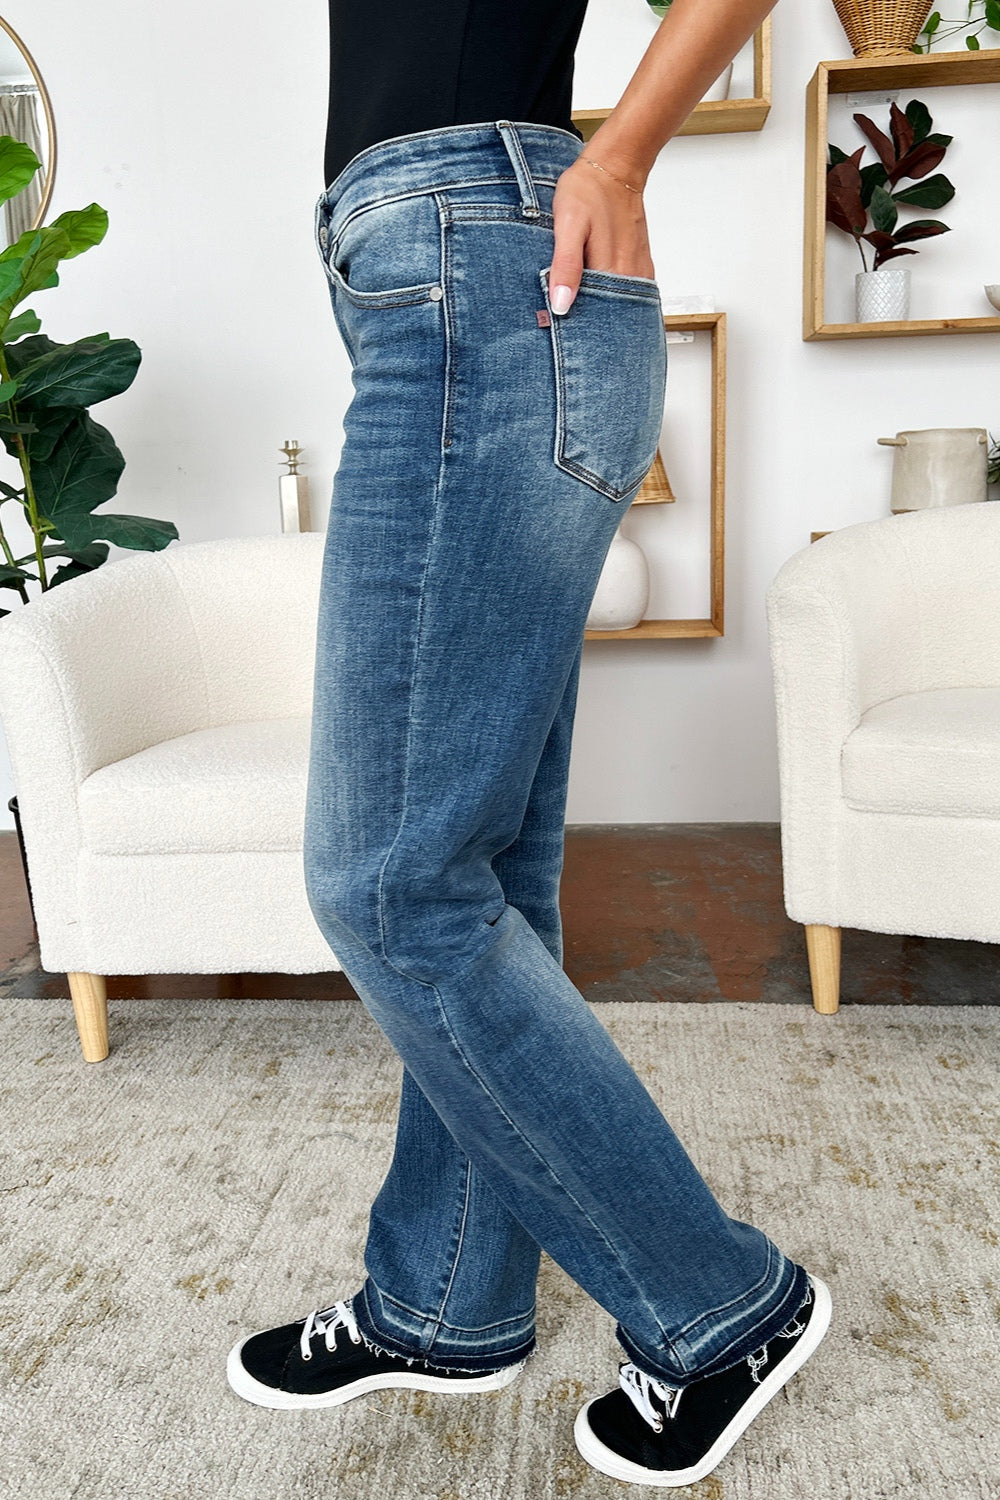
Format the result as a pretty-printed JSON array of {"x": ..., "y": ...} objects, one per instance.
[
  {"x": 714, "y": 624},
  {"x": 861, "y": 75},
  {"x": 714, "y": 116}
]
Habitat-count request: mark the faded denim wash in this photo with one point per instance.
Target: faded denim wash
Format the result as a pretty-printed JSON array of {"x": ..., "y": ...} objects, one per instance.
[{"x": 491, "y": 449}]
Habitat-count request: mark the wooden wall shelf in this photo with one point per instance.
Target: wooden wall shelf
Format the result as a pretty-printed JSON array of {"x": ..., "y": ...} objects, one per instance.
[
  {"x": 713, "y": 625},
  {"x": 859, "y": 75},
  {"x": 714, "y": 116}
]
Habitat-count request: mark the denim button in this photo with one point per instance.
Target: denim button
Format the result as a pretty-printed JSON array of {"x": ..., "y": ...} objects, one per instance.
[
  {"x": 323, "y": 235},
  {"x": 436, "y": 293}
]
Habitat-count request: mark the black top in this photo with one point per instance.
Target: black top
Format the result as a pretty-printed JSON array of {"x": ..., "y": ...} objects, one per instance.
[{"x": 401, "y": 67}]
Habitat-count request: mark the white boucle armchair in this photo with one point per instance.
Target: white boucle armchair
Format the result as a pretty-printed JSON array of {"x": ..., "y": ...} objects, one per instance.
[
  {"x": 157, "y": 713},
  {"x": 885, "y": 649}
]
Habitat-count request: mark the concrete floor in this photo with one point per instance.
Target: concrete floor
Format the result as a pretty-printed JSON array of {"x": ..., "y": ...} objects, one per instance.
[{"x": 683, "y": 911}]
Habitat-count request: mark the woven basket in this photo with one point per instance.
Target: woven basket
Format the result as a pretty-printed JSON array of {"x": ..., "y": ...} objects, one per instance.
[{"x": 882, "y": 28}]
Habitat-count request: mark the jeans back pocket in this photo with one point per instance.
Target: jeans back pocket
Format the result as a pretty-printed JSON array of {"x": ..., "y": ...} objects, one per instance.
[{"x": 610, "y": 362}]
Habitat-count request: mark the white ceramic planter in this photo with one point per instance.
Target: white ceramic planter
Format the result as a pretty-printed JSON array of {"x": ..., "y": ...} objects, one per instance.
[
  {"x": 622, "y": 594},
  {"x": 882, "y": 296}
]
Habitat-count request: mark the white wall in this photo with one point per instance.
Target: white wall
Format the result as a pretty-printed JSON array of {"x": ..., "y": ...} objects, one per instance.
[{"x": 200, "y": 128}]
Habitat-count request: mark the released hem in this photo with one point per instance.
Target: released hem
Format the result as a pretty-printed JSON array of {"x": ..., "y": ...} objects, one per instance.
[
  {"x": 464, "y": 1360},
  {"x": 764, "y": 1329}
]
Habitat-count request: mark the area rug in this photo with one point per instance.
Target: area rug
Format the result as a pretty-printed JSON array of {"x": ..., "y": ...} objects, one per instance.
[{"x": 213, "y": 1177}]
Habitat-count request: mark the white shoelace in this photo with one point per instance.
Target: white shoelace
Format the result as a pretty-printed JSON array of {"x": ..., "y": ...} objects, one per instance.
[
  {"x": 327, "y": 1322},
  {"x": 637, "y": 1386}
]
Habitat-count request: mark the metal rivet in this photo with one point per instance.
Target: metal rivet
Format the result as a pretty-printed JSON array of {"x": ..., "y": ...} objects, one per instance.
[
  {"x": 323, "y": 234},
  {"x": 436, "y": 293}
]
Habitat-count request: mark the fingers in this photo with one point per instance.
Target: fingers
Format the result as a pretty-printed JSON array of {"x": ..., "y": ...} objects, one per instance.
[
  {"x": 564, "y": 278},
  {"x": 595, "y": 224}
]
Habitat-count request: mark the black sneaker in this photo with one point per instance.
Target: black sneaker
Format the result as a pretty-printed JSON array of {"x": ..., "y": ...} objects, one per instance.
[
  {"x": 648, "y": 1433},
  {"x": 302, "y": 1365}
]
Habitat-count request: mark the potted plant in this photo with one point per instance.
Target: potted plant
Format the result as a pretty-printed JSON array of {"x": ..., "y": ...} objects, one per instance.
[
  {"x": 864, "y": 202},
  {"x": 982, "y": 13},
  {"x": 68, "y": 463}
]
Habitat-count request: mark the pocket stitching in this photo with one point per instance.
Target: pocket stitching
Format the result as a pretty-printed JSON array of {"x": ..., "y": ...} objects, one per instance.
[
  {"x": 392, "y": 297},
  {"x": 569, "y": 465}
]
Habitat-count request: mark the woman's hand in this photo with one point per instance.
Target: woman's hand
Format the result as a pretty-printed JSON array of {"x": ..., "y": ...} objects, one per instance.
[{"x": 599, "y": 223}]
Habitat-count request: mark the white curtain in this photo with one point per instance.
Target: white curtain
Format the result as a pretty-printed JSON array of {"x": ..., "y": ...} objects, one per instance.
[{"x": 19, "y": 118}]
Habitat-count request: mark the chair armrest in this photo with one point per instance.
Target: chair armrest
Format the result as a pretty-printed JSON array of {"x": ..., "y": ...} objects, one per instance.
[
  {"x": 91, "y": 671},
  {"x": 813, "y": 653}
]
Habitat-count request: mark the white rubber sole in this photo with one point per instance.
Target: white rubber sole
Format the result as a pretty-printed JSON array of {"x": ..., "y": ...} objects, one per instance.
[
  {"x": 244, "y": 1384},
  {"x": 608, "y": 1462}
]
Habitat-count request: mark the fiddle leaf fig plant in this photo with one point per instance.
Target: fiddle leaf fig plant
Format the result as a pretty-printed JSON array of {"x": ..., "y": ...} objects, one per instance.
[
  {"x": 69, "y": 464},
  {"x": 853, "y": 192}
]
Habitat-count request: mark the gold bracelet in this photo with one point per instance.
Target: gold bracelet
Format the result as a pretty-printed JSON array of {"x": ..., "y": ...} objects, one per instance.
[{"x": 597, "y": 164}]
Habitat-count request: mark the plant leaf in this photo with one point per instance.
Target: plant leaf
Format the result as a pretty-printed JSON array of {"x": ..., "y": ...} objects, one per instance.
[
  {"x": 920, "y": 229},
  {"x": 39, "y": 251},
  {"x": 18, "y": 165},
  {"x": 12, "y": 578},
  {"x": 883, "y": 145},
  {"x": 902, "y": 130},
  {"x": 919, "y": 116},
  {"x": 140, "y": 533},
  {"x": 84, "y": 560},
  {"x": 972, "y": 42},
  {"x": 933, "y": 192},
  {"x": 844, "y": 207},
  {"x": 79, "y": 374},
  {"x": 918, "y": 162},
  {"x": 81, "y": 472},
  {"x": 872, "y": 176},
  {"x": 881, "y": 256},
  {"x": 83, "y": 227},
  {"x": 884, "y": 211},
  {"x": 26, "y": 322}
]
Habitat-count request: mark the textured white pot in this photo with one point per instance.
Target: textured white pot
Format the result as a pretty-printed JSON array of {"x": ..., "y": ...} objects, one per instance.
[
  {"x": 622, "y": 589},
  {"x": 882, "y": 296}
]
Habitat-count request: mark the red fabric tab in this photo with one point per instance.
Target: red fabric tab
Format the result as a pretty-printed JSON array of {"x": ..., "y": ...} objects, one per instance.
[{"x": 543, "y": 317}]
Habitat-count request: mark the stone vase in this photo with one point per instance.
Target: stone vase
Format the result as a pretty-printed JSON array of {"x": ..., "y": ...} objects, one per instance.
[
  {"x": 934, "y": 466},
  {"x": 622, "y": 594}
]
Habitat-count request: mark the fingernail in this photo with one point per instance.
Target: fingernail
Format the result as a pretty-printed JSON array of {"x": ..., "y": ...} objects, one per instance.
[{"x": 561, "y": 298}]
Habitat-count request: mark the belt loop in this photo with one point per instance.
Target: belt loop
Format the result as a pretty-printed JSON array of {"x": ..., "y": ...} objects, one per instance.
[{"x": 529, "y": 197}]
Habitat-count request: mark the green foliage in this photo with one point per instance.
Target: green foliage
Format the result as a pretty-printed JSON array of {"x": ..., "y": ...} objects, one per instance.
[
  {"x": 69, "y": 463},
  {"x": 984, "y": 14},
  {"x": 853, "y": 192}
]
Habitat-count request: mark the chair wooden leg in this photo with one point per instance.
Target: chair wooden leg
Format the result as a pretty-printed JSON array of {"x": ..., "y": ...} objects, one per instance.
[
  {"x": 90, "y": 1006},
  {"x": 823, "y": 947}
]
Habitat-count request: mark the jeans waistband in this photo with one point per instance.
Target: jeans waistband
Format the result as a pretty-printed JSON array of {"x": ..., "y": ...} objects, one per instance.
[{"x": 450, "y": 156}]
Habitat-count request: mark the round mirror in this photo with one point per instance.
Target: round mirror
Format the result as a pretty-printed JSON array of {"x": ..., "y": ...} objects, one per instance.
[{"x": 25, "y": 114}]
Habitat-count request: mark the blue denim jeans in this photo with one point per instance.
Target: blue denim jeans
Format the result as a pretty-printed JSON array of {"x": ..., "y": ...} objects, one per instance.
[{"x": 491, "y": 449}]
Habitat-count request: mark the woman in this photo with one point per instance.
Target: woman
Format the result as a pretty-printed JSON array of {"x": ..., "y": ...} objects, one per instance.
[{"x": 492, "y": 282}]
